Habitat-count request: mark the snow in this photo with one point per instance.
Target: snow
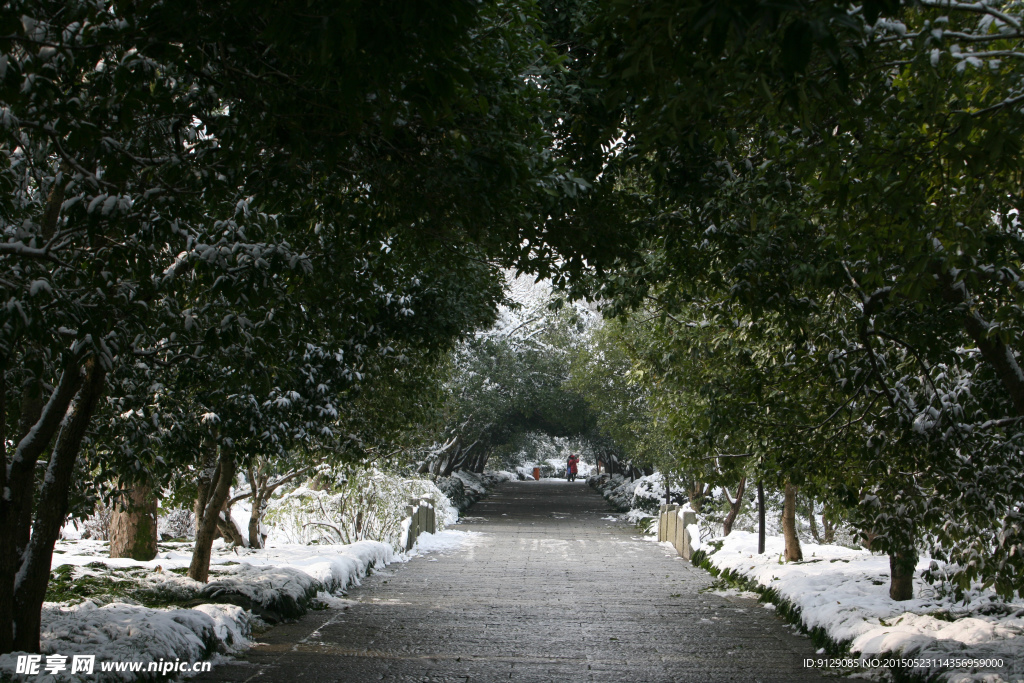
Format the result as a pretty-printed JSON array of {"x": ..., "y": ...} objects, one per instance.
[
  {"x": 270, "y": 581},
  {"x": 844, "y": 591},
  {"x": 444, "y": 541},
  {"x": 280, "y": 581},
  {"x": 645, "y": 493},
  {"x": 125, "y": 632}
]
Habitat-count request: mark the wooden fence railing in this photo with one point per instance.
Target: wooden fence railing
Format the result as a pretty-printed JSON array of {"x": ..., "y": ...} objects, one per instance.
[{"x": 422, "y": 519}]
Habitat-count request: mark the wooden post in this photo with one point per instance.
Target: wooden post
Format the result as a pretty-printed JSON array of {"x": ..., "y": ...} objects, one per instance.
[{"x": 760, "y": 518}]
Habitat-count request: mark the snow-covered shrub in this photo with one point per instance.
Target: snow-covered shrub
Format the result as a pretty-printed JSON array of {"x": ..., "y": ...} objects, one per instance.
[
  {"x": 96, "y": 526},
  {"x": 176, "y": 523},
  {"x": 272, "y": 593},
  {"x": 124, "y": 632},
  {"x": 645, "y": 522},
  {"x": 465, "y": 488},
  {"x": 624, "y": 494},
  {"x": 368, "y": 504},
  {"x": 649, "y": 493}
]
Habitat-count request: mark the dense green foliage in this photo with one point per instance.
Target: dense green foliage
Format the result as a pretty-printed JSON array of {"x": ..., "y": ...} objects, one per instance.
[
  {"x": 828, "y": 198},
  {"x": 247, "y": 237}
]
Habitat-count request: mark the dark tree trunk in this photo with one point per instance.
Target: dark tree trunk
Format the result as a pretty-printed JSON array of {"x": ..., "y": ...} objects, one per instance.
[
  {"x": 205, "y": 478},
  {"x": 34, "y": 573},
  {"x": 206, "y": 524},
  {"x": 734, "y": 507},
  {"x": 760, "y": 518},
  {"x": 697, "y": 493},
  {"x": 793, "y": 552},
  {"x": 255, "y": 539},
  {"x": 481, "y": 460},
  {"x": 228, "y": 528},
  {"x": 6, "y": 558},
  {"x": 257, "y": 484},
  {"x": 133, "y": 524},
  {"x": 812, "y": 521},
  {"x": 901, "y": 575},
  {"x": 446, "y": 461},
  {"x": 827, "y": 527},
  {"x": 36, "y": 428}
]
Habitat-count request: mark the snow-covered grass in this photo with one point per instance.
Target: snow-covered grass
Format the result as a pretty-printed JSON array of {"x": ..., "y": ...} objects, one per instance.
[
  {"x": 125, "y": 610},
  {"x": 642, "y": 520},
  {"x": 125, "y": 632},
  {"x": 840, "y": 596}
]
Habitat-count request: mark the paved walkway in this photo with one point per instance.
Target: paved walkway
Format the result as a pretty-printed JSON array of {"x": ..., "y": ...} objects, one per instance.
[{"x": 553, "y": 589}]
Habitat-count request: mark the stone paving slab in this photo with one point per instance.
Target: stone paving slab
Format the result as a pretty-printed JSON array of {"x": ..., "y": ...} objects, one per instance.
[{"x": 550, "y": 590}]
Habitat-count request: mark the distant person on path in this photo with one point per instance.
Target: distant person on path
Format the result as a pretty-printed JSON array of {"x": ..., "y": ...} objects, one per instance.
[{"x": 573, "y": 466}]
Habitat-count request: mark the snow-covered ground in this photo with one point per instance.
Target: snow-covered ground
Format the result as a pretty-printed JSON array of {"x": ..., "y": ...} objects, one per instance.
[
  {"x": 276, "y": 582},
  {"x": 844, "y": 592},
  {"x": 123, "y": 610}
]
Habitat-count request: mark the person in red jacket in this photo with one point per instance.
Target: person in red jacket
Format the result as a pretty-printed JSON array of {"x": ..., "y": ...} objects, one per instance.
[{"x": 573, "y": 464}]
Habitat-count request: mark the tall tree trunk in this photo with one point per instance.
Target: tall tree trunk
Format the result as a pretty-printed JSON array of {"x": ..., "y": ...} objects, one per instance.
[
  {"x": 34, "y": 573},
  {"x": 206, "y": 524},
  {"x": 6, "y": 558},
  {"x": 255, "y": 539},
  {"x": 793, "y": 552},
  {"x": 827, "y": 527},
  {"x": 697, "y": 496},
  {"x": 902, "y": 565},
  {"x": 760, "y": 518},
  {"x": 228, "y": 528},
  {"x": 734, "y": 506},
  {"x": 481, "y": 460},
  {"x": 133, "y": 524},
  {"x": 446, "y": 459},
  {"x": 37, "y": 425},
  {"x": 257, "y": 484},
  {"x": 812, "y": 521}
]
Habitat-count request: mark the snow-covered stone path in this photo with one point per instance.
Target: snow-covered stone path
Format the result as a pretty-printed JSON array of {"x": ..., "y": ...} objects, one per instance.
[{"x": 552, "y": 587}]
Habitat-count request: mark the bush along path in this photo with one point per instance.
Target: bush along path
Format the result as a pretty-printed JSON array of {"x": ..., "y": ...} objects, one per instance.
[
  {"x": 838, "y": 596},
  {"x": 466, "y": 488}
]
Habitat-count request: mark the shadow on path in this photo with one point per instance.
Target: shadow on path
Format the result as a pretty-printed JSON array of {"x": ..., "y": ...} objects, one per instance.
[{"x": 552, "y": 588}]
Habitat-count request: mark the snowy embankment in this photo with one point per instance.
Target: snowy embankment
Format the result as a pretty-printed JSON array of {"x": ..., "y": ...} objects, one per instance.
[
  {"x": 123, "y": 619},
  {"x": 840, "y": 595}
]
